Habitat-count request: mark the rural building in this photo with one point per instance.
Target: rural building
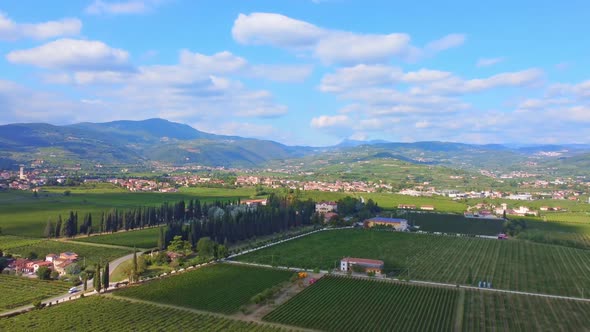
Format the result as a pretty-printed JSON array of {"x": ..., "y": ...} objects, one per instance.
[
  {"x": 325, "y": 207},
  {"x": 328, "y": 216},
  {"x": 406, "y": 206},
  {"x": 369, "y": 265},
  {"x": 427, "y": 207},
  {"x": 254, "y": 202},
  {"x": 398, "y": 224}
]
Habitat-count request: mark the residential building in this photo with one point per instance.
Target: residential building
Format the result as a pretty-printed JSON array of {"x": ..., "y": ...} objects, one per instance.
[
  {"x": 399, "y": 224},
  {"x": 369, "y": 265},
  {"x": 325, "y": 207}
]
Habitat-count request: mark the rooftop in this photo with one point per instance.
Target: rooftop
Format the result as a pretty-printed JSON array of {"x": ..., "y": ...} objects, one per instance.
[{"x": 387, "y": 220}]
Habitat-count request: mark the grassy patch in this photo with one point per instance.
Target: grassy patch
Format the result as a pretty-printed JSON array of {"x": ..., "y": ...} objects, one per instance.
[
  {"x": 219, "y": 288},
  {"x": 144, "y": 238}
]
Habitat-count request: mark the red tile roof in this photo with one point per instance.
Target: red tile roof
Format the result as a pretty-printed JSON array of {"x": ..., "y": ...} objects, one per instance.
[{"x": 363, "y": 261}]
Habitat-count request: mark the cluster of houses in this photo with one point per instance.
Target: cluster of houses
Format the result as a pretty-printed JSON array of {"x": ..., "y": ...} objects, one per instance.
[
  {"x": 57, "y": 263},
  {"x": 414, "y": 207},
  {"x": 490, "y": 211},
  {"x": 143, "y": 185}
]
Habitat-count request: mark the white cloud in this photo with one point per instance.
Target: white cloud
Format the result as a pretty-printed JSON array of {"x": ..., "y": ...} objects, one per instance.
[
  {"x": 422, "y": 124},
  {"x": 331, "y": 46},
  {"x": 73, "y": 54},
  {"x": 99, "y": 7},
  {"x": 338, "y": 47},
  {"x": 10, "y": 30},
  {"x": 222, "y": 62},
  {"x": 359, "y": 75},
  {"x": 325, "y": 121},
  {"x": 487, "y": 62},
  {"x": 446, "y": 42},
  {"x": 425, "y": 75},
  {"x": 275, "y": 29}
]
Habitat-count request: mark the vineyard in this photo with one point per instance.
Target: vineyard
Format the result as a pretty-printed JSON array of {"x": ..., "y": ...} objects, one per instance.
[
  {"x": 145, "y": 238},
  {"x": 8, "y": 242},
  {"x": 92, "y": 254},
  {"x": 452, "y": 223},
  {"x": 17, "y": 291},
  {"x": 219, "y": 288},
  {"x": 487, "y": 311},
  {"x": 347, "y": 304},
  {"x": 98, "y": 313},
  {"x": 512, "y": 264}
]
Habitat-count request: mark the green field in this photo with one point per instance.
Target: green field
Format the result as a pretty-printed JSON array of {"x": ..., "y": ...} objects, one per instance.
[
  {"x": 487, "y": 311},
  {"x": 24, "y": 215},
  {"x": 19, "y": 291},
  {"x": 100, "y": 313},
  {"x": 145, "y": 238},
  {"x": 9, "y": 241},
  {"x": 219, "y": 288},
  {"x": 347, "y": 304},
  {"x": 453, "y": 223},
  {"x": 90, "y": 253},
  {"x": 512, "y": 264}
]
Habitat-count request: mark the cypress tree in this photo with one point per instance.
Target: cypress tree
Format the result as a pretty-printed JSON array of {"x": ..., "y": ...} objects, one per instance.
[
  {"x": 97, "y": 281},
  {"x": 105, "y": 276},
  {"x": 135, "y": 274},
  {"x": 49, "y": 230}
]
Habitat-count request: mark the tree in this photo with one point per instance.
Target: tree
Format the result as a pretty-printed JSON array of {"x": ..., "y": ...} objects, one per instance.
[
  {"x": 44, "y": 273},
  {"x": 177, "y": 245},
  {"x": 97, "y": 281},
  {"x": 32, "y": 255},
  {"x": 105, "y": 276},
  {"x": 73, "y": 269},
  {"x": 222, "y": 251},
  {"x": 135, "y": 272},
  {"x": 49, "y": 230},
  {"x": 205, "y": 247}
]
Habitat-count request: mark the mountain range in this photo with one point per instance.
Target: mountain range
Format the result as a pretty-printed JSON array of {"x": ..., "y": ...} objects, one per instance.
[{"x": 161, "y": 141}]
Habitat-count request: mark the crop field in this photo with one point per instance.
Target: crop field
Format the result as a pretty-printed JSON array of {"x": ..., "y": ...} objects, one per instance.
[
  {"x": 219, "y": 288},
  {"x": 453, "y": 223},
  {"x": 487, "y": 311},
  {"x": 9, "y": 241},
  {"x": 509, "y": 264},
  {"x": 100, "y": 313},
  {"x": 145, "y": 238},
  {"x": 24, "y": 215},
  {"x": 91, "y": 253},
  {"x": 20, "y": 291},
  {"x": 348, "y": 304}
]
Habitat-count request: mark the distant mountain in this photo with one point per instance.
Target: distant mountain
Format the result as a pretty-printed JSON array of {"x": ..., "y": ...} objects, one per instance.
[
  {"x": 135, "y": 142},
  {"x": 144, "y": 142}
]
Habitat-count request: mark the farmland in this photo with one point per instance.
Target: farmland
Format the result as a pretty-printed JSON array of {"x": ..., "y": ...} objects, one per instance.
[
  {"x": 347, "y": 304},
  {"x": 219, "y": 288},
  {"x": 99, "y": 313},
  {"x": 453, "y": 223},
  {"x": 23, "y": 214},
  {"x": 17, "y": 291},
  {"x": 92, "y": 254},
  {"x": 145, "y": 238},
  {"x": 513, "y": 264},
  {"x": 509, "y": 312}
]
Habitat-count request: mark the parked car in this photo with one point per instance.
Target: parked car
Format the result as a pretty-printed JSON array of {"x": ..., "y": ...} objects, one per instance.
[{"x": 73, "y": 290}]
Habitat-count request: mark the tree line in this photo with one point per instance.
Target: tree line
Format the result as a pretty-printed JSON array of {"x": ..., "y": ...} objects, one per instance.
[{"x": 223, "y": 222}]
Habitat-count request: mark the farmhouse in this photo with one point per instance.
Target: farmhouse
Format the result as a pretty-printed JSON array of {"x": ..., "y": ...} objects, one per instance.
[
  {"x": 325, "y": 207},
  {"x": 254, "y": 202},
  {"x": 328, "y": 216},
  {"x": 368, "y": 265},
  {"x": 398, "y": 224},
  {"x": 406, "y": 206},
  {"x": 427, "y": 207}
]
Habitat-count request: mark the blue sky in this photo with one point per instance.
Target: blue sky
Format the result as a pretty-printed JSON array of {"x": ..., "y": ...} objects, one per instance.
[{"x": 302, "y": 71}]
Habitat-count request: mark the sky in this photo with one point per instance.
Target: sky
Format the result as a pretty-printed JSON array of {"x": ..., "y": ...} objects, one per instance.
[{"x": 305, "y": 72}]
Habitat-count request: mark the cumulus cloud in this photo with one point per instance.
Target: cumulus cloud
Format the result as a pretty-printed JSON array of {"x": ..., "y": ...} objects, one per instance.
[
  {"x": 331, "y": 46},
  {"x": 72, "y": 54},
  {"x": 10, "y": 30},
  {"x": 326, "y": 121},
  {"x": 99, "y": 7},
  {"x": 487, "y": 62},
  {"x": 446, "y": 42}
]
